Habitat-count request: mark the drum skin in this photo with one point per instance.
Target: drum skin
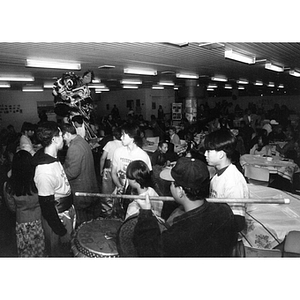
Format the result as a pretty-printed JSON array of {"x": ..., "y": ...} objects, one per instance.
[{"x": 96, "y": 238}]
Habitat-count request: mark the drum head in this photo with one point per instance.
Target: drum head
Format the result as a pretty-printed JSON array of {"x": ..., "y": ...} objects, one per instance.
[{"x": 96, "y": 238}]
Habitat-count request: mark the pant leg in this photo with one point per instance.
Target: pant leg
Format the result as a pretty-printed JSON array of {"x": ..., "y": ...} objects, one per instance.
[{"x": 108, "y": 187}]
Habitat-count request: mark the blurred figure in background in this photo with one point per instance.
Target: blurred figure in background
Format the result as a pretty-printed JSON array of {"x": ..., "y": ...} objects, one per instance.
[{"x": 27, "y": 131}]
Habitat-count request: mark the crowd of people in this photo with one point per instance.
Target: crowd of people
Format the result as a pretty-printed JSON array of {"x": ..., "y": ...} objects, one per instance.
[{"x": 44, "y": 165}]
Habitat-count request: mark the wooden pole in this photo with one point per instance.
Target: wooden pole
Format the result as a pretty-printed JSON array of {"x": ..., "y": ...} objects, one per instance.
[{"x": 214, "y": 200}]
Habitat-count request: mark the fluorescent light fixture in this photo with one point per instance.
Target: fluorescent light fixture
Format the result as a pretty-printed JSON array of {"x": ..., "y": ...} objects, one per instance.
[
  {"x": 16, "y": 78},
  {"x": 48, "y": 85},
  {"x": 96, "y": 80},
  {"x": 140, "y": 71},
  {"x": 228, "y": 87},
  {"x": 219, "y": 78},
  {"x": 294, "y": 73},
  {"x": 281, "y": 86},
  {"x": 212, "y": 86},
  {"x": 183, "y": 44},
  {"x": 102, "y": 90},
  {"x": 98, "y": 91},
  {"x": 170, "y": 83},
  {"x": 130, "y": 86},
  {"x": 247, "y": 59},
  {"x": 4, "y": 85},
  {"x": 32, "y": 89},
  {"x": 97, "y": 86},
  {"x": 53, "y": 64},
  {"x": 275, "y": 68},
  {"x": 188, "y": 76},
  {"x": 271, "y": 84},
  {"x": 210, "y": 46},
  {"x": 240, "y": 87},
  {"x": 242, "y": 81},
  {"x": 106, "y": 67},
  {"x": 210, "y": 89},
  {"x": 258, "y": 82},
  {"x": 176, "y": 88},
  {"x": 131, "y": 81},
  {"x": 157, "y": 87}
]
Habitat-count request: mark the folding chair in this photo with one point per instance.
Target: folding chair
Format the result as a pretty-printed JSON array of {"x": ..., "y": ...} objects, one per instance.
[
  {"x": 291, "y": 245},
  {"x": 257, "y": 176}
]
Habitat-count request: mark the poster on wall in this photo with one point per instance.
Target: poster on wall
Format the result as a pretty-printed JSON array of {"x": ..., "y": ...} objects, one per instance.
[{"x": 176, "y": 111}]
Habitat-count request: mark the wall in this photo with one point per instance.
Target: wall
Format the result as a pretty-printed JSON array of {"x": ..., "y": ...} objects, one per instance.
[
  {"x": 17, "y": 107},
  {"x": 147, "y": 99}
]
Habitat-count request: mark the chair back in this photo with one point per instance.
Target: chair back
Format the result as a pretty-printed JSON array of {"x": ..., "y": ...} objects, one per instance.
[
  {"x": 257, "y": 252},
  {"x": 257, "y": 176}
]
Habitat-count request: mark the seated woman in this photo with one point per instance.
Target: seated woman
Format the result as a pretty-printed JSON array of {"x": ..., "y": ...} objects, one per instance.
[
  {"x": 139, "y": 179},
  {"x": 21, "y": 195},
  {"x": 261, "y": 147}
]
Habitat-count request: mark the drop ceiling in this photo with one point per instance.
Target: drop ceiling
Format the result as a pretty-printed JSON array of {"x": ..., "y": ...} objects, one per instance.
[{"x": 204, "y": 59}]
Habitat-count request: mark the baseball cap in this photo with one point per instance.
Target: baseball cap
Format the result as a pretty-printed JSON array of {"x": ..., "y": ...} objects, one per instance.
[
  {"x": 274, "y": 122},
  {"x": 188, "y": 172}
]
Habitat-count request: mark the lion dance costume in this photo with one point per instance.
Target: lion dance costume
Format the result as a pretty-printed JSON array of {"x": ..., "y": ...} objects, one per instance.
[{"x": 71, "y": 98}]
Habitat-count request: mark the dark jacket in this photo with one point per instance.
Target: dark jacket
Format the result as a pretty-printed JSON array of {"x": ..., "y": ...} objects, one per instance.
[
  {"x": 80, "y": 170},
  {"x": 207, "y": 231}
]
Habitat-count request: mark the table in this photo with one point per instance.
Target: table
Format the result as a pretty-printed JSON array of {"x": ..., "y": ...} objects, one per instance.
[
  {"x": 268, "y": 224},
  {"x": 275, "y": 164}
]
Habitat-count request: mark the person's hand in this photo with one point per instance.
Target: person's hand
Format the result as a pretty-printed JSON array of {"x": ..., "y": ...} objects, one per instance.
[
  {"x": 120, "y": 190},
  {"x": 144, "y": 204}
]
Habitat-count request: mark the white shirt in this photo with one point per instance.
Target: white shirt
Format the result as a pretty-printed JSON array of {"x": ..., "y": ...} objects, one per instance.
[{"x": 230, "y": 184}]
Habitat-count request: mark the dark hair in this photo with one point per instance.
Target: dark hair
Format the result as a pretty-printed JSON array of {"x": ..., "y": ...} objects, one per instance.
[
  {"x": 160, "y": 143},
  {"x": 264, "y": 139},
  {"x": 46, "y": 131},
  {"x": 27, "y": 126},
  {"x": 21, "y": 181},
  {"x": 139, "y": 171},
  {"x": 196, "y": 194},
  {"x": 78, "y": 119},
  {"x": 116, "y": 132},
  {"x": 67, "y": 127},
  {"x": 133, "y": 130},
  {"x": 221, "y": 139}
]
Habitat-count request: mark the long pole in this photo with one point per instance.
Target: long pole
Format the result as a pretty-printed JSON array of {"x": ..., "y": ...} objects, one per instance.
[{"x": 214, "y": 200}]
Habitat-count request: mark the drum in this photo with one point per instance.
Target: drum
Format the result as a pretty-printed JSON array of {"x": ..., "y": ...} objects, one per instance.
[{"x": 96, "y": 238}]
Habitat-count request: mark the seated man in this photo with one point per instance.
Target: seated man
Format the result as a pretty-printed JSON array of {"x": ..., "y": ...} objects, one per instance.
[{"x": 205, "y": 229}]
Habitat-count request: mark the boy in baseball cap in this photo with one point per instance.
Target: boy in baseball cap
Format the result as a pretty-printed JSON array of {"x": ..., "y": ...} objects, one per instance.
[{"x": 204, "y": 229}]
